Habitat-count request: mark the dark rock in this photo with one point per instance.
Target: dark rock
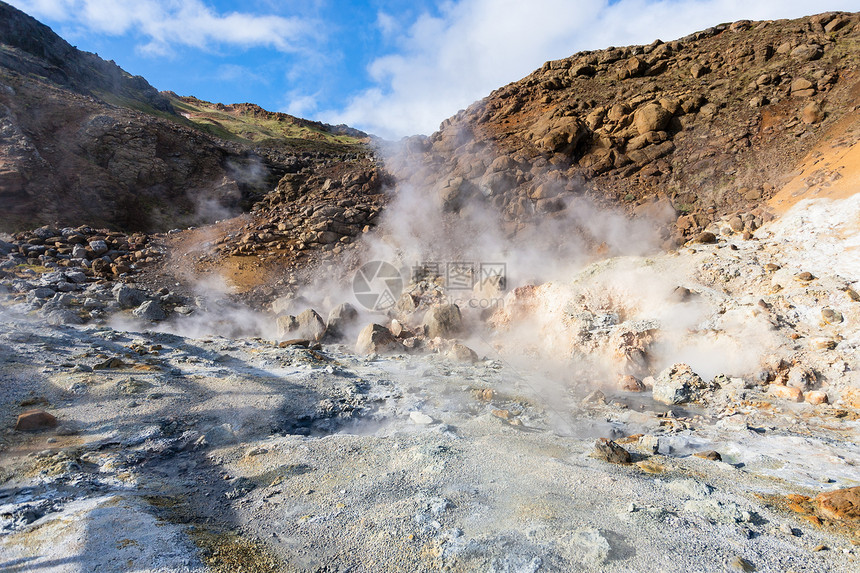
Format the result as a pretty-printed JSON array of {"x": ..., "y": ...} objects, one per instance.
[
  {"x": 611, "y": 452},
  {"x": 35, "y": 420},
  {"x": 705, "y": 238}
]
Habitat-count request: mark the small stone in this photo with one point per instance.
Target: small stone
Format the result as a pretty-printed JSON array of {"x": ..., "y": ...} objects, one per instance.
[
  {"x": 308, "y": 324},
  {"x": 712, "y": 455},
  {"x": 128, "y": 297},
  {"x": 462, "y": 353},
  {"x": 816, "y": 397},
  {"x": 443, "y": 320},
  {"x": 99, "y": 247},
  {"x": 804, "y": 276},
  {"x": 109, "y": 364},
  {"x": 375, "y": 338},
  {"x": 704, "y": 238},
  {"x": 801, "y": 87},
  {"x": 831, "y": 316},
  {"x": 503, "y": 414},
  {"x": 340, "y": 319},
  {"x": 801, "y": 377},
  {"x": 302, "y": 342},
  {"x": 485, "y": 394},
  {"x": 741, "y": 564},
  {"x": 812, "y": 114},
  {"x": 678, "y": 384},
  {"x": 420, "y": 418},
  {"x": 630, "y": 383},
  {"x": 35, "y": 420},
  {"x": 785, "y": 392},
  {"x": 611, "y": 452},
  {"x": 594, "y": 397},
  {"x": 150, "y": 310}
]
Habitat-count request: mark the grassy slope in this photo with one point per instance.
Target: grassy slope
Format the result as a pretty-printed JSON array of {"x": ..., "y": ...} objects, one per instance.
[{"x": 263, "y": 128}]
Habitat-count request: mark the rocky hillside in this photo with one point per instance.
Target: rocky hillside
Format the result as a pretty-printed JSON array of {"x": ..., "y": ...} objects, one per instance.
[
  {"x": 84, "y": 142},
  {"x": 711, "y": 124},
  {"x": 704, "y": 131}
]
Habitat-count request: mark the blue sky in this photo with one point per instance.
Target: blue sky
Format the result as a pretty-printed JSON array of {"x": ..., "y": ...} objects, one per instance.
[{"x": 390, "y": 67}]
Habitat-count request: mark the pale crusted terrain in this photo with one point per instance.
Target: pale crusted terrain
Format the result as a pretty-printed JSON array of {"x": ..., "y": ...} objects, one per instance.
[
  {"x": 677, "y": 391},
  {"x": 335, "y": 461}
]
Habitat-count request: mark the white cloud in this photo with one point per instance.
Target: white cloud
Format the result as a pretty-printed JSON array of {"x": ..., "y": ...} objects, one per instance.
[
  {"x": 235, "y": 73},
  {"x": 387, "y": 24},
  {"x": 168, "y": 23},
  {"x": 301, "y": 105},
  {"x": 474, "y": 46}
]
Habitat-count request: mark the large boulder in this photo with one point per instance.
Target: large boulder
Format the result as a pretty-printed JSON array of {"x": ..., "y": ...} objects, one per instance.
[
  {"x": 150, "y": 310},
  {"x": 651, "y": 117},
  {"x": 129, "y": 297},
  {"x": 375, "y": 338},
  {"x": 443, "y": 320},
  {"x": 341, "y": 317},
  {"x": 35, "y": 420},
  {"x": 308, "y": 325},
  {"x": 678, "y": 385},
  {"x": 462, "y": 353}
]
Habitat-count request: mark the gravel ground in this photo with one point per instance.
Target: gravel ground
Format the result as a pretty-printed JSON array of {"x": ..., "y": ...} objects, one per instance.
[{"x": 193, "y": 453}]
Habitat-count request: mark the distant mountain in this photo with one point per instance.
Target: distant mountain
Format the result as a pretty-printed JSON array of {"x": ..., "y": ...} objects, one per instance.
[{"x": 84, "y": 142}]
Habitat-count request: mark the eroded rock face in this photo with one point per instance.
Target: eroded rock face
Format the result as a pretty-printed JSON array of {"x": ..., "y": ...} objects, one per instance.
[
  {"x": 841, "y": 505},
  {"x": 87, "y": 143}
]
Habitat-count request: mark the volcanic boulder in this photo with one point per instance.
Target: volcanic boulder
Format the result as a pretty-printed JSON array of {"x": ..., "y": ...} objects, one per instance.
[
  {"x": 443, "y": 320},
  {"x": 678, "y": 385},
  {"x": 35, "y": 420},
  {"x": 340, "y": 318},
  {"x": 375, "y": 338},
  {"x": 308, "y": 324},
  {"x": 651, "y": 117}
]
